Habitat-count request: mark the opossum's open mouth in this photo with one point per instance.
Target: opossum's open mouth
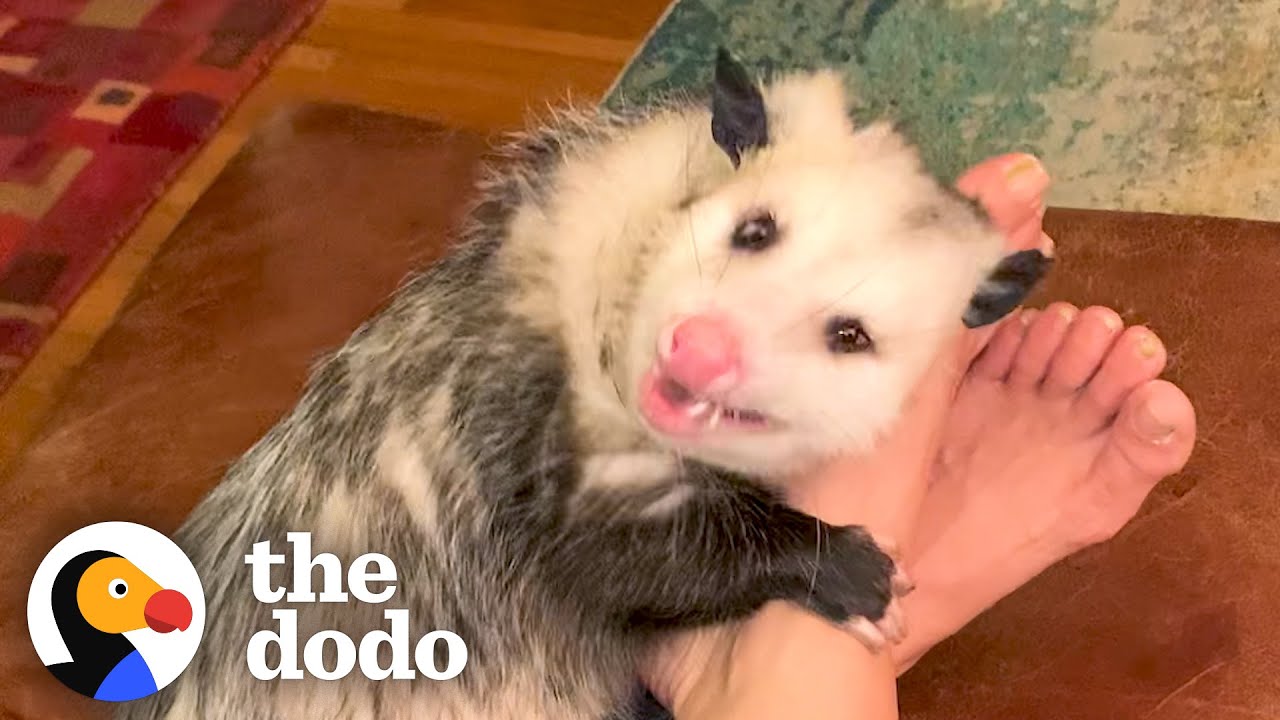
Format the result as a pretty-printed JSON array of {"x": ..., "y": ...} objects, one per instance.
[{"x": 671, "y": 408}]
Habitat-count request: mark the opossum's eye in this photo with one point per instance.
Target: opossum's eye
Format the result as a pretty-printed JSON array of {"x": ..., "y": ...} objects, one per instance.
[
  {"x": 846, "y": 335},
  {"x": 756, "y": 233}
]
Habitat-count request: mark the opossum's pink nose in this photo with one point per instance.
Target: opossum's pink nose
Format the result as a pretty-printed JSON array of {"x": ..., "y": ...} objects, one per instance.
[{"x": 701, "y": 353}]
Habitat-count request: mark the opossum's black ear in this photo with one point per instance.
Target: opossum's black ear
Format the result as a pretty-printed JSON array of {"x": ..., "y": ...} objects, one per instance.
[
  {"x": 1006, "y": 287},
  {"x": 738, "y": 118}
]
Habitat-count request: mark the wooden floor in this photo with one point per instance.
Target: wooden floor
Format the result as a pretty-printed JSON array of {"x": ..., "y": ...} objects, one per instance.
[{"x": 478, "y": 64}]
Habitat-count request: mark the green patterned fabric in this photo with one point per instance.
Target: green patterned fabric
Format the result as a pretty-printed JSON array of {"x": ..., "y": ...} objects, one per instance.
[{"x": 1148, "y": 105}]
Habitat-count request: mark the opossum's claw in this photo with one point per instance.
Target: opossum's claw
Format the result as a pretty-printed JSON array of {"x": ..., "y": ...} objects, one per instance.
[
  {"x": 890, "y": 629},
  {"x": 901, "y": 583}
]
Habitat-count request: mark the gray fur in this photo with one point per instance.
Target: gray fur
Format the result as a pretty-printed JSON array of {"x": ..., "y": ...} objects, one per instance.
[
  {"x": 498, "y": 457},
  {"x": 557, "y": 586}
]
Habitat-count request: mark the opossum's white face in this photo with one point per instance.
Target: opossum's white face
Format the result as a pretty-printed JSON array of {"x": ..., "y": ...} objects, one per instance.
[{"x": 792, "y": 310}]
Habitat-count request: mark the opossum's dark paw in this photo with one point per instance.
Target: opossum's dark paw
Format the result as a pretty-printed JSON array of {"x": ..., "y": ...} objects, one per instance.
[
  {"x": 900, "y": 584},
  {"x": 858, "y": 584},
  {"x": 1007, "y": 286},
  {"x": 890, "y": 629}
]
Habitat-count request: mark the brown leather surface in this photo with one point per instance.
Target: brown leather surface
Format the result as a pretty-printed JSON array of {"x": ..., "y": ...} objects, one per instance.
[
  {"x": 305, "y": 233},
  {"x": 1175, "y": 618},
  {"x": 311, "y": 227}
]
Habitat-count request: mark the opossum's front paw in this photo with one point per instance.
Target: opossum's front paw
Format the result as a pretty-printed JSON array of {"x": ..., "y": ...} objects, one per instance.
[
  {"x": 900, "y": 583},
  {"x": 891, "y": 628},
  {"x": 859, "y": 584},
  {"x": 888, "y": 630}
]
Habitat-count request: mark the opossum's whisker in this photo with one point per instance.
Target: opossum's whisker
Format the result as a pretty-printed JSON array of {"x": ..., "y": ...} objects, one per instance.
[
  {"x": 850, "y": 440},
  {"x": 597, "y": 311},
  {"x": 817, "y": 556},
  {"x": 622, "y": 232},
  {"x": 814, "y": 313},
  {"x": 835, "y": 301},
  {"x": 723, "y": 269},
  {"x": 955, "y": 326},
  {"x": 688, "y": 186},
  {"x": 768, "y": 163},
  {"x": 617, "y": 389}
]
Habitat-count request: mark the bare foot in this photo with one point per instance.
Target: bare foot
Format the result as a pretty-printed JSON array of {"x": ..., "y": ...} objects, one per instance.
[{"x": 1058, "y": 433}]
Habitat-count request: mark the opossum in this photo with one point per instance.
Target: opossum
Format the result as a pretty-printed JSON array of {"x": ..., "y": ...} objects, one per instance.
[{"x": 573, "y": 433}]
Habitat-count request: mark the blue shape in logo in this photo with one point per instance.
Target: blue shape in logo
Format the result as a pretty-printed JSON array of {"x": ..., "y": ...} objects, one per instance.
[{"x": 130, "y": 679}]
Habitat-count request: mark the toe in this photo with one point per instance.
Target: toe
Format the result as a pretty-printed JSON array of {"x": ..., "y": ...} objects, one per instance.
[
  {"x": 1011, "y": 189},
  {"x": 1136, "y": 357},
  {"x": 997, "y": 356},
  {"x": 1155, "y": 429},
  {"x": 1030, "y": 235},
  {"x": 1152, "y": 438},
  {"x": 1082, "y": 351},
  {"x": 1043, "y": 338}
]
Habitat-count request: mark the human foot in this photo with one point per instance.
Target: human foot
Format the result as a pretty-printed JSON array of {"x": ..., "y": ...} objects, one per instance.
[
  {"x": 883, "y": 490},
  {"x": 1058, "y": 433}
]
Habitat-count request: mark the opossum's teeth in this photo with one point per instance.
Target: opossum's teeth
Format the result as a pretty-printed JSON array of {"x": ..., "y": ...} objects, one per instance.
[{"x": 699, "y": 409}]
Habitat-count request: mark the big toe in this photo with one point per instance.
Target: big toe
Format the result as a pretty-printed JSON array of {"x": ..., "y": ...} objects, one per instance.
[{"x": 1151, "y": 439}]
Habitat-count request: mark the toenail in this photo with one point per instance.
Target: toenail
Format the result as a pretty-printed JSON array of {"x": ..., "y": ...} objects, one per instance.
[
  {"x": 1112, "y": 322},
  {"x": 1026, "y": 316},
  {"x": 1151, "y": 427},
  {"x": 1067, "y": 312},
  {"x": 1027, "y": 178},
  {"x": 1148, "y": 346}
]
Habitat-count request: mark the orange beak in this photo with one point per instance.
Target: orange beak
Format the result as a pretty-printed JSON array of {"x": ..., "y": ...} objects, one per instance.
[{"x": 167, "y": 610}]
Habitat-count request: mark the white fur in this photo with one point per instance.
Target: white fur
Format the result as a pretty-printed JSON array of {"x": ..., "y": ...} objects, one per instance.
[
  {"x": 633, "y": 469},
  {"x": 841, "y": 196},
  {"x": 403, "y": 467}
]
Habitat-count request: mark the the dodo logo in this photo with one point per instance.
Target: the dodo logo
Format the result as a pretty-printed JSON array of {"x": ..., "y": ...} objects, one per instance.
[{"x": 116, "y": 611}]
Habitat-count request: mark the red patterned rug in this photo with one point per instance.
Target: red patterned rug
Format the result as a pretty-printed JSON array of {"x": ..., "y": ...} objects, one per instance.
[{"x": 102, "y": 103}]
